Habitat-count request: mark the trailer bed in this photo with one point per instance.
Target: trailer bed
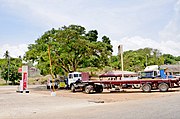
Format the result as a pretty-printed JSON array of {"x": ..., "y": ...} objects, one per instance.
[
  {"x": 146, "y": 84},
  {"x": 139, "y": 81}
]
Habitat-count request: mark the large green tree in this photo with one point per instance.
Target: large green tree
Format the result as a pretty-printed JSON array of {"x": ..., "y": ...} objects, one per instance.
[
  {"x": 137, "y": 60},
  {"x": 170, "y": 59},
  {"x": 70, "y": 48}
]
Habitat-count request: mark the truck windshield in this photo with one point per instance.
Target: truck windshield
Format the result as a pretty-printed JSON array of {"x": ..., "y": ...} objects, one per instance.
[
  {"x": 76, "y": 75},
  {"x": 70, "y": 76},
  {"x": 147, "y": 74}
]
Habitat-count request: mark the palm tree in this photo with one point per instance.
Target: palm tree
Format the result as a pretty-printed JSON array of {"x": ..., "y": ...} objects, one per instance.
[{"x": 6, "y": 54}]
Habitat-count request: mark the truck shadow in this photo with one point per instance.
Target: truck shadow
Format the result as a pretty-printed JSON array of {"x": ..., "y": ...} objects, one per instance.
[{"x": 139, "y": 91}]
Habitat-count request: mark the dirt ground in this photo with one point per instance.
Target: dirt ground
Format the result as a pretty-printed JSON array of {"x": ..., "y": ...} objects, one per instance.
[
  {"x": 107, "y": 96},
  {"x": 39, "y": 104}
]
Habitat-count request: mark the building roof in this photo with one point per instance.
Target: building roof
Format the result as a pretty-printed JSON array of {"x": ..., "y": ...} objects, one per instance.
[{"x": 171, "y": 68}]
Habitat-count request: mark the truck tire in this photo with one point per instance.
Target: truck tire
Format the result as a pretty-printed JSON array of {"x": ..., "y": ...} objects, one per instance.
[
  {"x": 99, "y": 89},
  {"x": 146, "y": 87},
  {"x": 48, "y": 87},
  {"x": 73, "y": 89},
  {"x": 89, "y": 89},
  {"x": 163, "y": 87},
  {"x": 56, "y": 86}
]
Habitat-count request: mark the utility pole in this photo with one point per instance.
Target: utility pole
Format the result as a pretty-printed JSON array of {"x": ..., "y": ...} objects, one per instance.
[
  {"x": 146, "y": 59},
  {"x": 120, "y": 52},
  {"x": 50, "y": 62},
  {"x": 8, "y": 67},
  {"x": 179, "y": 66}
]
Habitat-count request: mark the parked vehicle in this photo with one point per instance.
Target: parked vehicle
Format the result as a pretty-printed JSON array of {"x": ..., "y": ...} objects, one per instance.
[
  {"x": 117, "y": 75},
  {"x": 177, "y": 75},
  {"x": 146, "y": 85},
  {"x": 76, "y": 77},
  {"x": 152, "y": 74},
  {"x": 66, "y": 82},
  {"x": 150, "y": 80},
  {"x": 51, "y": 83},
  {"x": 148, "y": 74}
]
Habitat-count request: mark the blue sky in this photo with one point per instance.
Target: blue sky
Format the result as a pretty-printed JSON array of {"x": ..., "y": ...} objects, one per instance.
[{"x": 133, "y": 23}]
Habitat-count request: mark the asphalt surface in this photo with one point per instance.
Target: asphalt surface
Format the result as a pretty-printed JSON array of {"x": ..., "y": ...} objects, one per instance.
[
  {"x": 40, "y": 106},
  {"x": 159, "y": 108}
]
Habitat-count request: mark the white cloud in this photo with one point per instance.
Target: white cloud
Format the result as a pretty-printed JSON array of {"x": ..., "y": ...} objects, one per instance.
[
  {"x": 125, "y": 17},
  {"x": 129, "y": 43},
  {"x": 120, "y": 20},
  {"x": 171, "y": 32},
  {"x": 41, "y": 13},
  {"x": 168, "y": 42},
  {"x": 137, "y": 42},
  {"x": 14, "y": 50}
]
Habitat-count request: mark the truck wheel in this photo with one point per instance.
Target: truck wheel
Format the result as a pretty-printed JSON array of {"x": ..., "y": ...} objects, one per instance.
[
  {"x": 48, "y": 87},
  {"x": 99, "y": 89},
  {"x": 73, "y": 88},
  {"x": 89, "y": 89},
  {"x": 163, "y": 87},
  {"x": 146, "y": 87},
  {"x": 56, "y": 87}
]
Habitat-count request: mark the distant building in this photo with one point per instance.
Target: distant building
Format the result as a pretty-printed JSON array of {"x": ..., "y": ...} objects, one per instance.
[
  {"x": 171, "y": 69},
  {"x": 33, "y": 72}
]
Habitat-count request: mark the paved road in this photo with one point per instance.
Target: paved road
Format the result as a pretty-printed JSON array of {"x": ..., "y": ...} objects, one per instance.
[
  {"x": 39, "y": 106},
  {"x": 159, "y": 108}
]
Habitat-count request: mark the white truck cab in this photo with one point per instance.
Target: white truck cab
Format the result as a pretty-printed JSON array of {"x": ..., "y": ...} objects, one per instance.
[{"x": 73, "y": 77}]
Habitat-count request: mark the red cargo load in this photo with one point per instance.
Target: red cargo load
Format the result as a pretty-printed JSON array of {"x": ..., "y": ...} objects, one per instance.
[{"x": 85, "y": 76}]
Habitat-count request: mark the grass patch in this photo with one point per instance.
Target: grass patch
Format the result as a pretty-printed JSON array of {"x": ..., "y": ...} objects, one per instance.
[
  {"x": 3, "y": 84},
  {"x": 38, "y": 80}
]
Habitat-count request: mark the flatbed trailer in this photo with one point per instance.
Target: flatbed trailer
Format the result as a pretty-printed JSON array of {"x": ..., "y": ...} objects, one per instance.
[{"x": 97, "y": 86}]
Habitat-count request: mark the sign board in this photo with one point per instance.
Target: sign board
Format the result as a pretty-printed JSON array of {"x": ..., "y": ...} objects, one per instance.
[
  {"x": 25, "y": 76},
  {"x": 120, "y": 52},
  {"x": 24, "y": 81},
  {"x": 120, "y": 49},
  {"x": 25, "y": 69}
]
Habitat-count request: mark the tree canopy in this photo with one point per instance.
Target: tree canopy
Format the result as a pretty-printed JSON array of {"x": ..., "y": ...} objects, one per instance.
[
  {"x": 70, "y": 48},
  {"x": 9, "y": 68},
  {"x": 137, "y": 60}
]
